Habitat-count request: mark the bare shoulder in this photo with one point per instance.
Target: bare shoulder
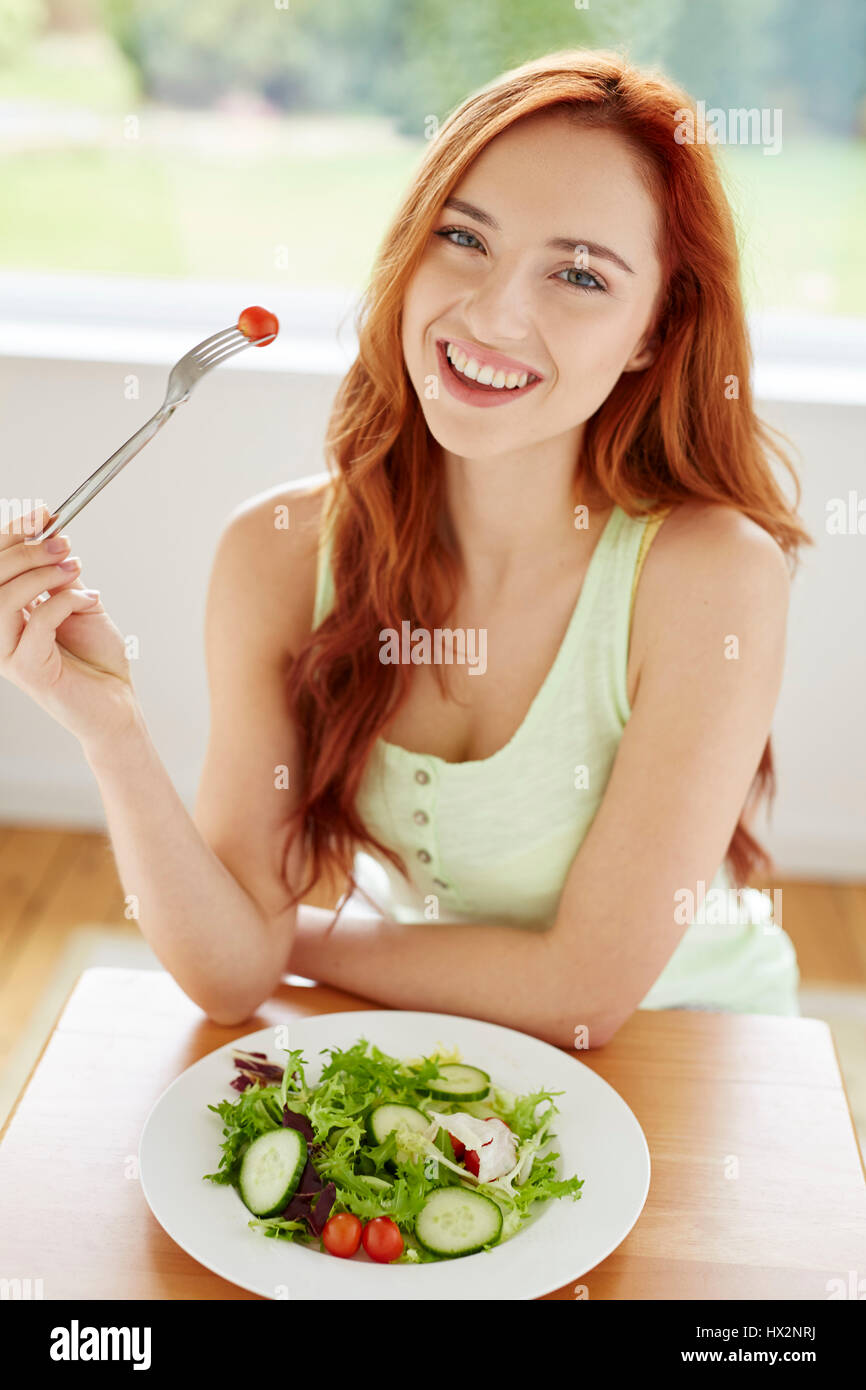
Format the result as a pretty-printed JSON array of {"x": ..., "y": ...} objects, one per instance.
[
  {"x": 709, "y": 568},
  {"x": 270, "y": 541},
  {"x": 706, "y": 547}
]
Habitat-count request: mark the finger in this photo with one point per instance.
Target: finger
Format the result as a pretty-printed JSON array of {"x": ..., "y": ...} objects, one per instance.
[
  {"x": 23, "y": 555},
  {"x": 29, "y": 524},
  {"x": 20, "y": 592},
  {"x": 37, "y": 643}
]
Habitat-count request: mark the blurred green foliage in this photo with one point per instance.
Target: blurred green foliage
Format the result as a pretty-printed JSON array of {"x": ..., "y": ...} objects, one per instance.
[
  {"x": 412, "y": 58},
  {"x": 162, "y": 202},
  {"x": 20, "y": 22}
]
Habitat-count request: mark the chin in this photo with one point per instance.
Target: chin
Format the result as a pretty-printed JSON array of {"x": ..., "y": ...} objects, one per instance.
[{"x": 477, "y": 443}]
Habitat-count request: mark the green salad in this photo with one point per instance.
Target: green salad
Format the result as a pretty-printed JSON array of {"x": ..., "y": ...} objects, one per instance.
[{"x": 416, "y": 1160}]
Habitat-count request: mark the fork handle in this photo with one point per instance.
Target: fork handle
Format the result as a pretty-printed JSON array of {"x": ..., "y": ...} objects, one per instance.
[{"x": 104, "y": 474}]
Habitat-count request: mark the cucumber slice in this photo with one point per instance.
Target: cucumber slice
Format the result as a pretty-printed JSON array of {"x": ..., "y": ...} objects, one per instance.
[
  {"x": 271, "y": 1169},
  {"x": 454, "y": 1221},
  {"x": 458, "y": 1082},
  {"x": 384, "y": 1119}
]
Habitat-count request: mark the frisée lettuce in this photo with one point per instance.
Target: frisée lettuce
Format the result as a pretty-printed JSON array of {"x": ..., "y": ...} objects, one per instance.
[{"x": 376, "y": 1136}]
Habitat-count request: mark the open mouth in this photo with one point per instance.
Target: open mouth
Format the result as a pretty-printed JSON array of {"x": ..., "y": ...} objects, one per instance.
[{"x": 497, "y": 391}]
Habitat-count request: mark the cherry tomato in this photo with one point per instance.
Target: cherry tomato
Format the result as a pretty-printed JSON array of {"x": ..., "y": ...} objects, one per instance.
[
  {"x": 458, "y": 1146},
  {"x": 342, "y": 1234},
  {"x": 382, "y": 1240},
  {"x": 259, "y": 324}
]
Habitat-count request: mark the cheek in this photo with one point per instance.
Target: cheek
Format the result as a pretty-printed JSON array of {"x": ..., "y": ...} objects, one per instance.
[
  {"x": 423, "y": 304},
  {"x": 414, "y": 304},
  {"x": 591, "y": 354},
  {"x": 604, "y": 340},
  {"x": 431, "y": 289}
]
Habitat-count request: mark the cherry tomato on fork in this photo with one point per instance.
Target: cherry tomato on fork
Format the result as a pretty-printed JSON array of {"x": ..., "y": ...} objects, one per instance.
[
  {"x": 258, "y": 324},
  {"x": 382, "y": 1240},
  {"x": 342, "y": 1234}
]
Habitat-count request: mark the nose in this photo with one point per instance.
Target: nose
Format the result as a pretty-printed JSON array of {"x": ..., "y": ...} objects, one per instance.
[{"x": 497, "y": 312}]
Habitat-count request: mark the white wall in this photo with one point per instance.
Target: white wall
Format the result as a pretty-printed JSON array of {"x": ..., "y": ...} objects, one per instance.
[
  {"x": 148, "y": 540},
  {"x": 818, "y": 821}
]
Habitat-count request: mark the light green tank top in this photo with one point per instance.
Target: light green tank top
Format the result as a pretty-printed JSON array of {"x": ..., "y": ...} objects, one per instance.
[{"x": 492, "y": 839}]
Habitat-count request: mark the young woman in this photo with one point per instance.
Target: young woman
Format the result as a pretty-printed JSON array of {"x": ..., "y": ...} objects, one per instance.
[{"x": 553, "y": 373}]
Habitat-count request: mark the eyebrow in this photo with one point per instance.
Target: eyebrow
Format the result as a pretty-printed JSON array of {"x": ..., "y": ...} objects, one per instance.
[{"x": 557, "y": 243}]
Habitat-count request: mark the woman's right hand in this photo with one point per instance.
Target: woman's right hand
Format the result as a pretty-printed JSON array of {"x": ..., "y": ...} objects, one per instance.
[{"x": 65, "y": 652}]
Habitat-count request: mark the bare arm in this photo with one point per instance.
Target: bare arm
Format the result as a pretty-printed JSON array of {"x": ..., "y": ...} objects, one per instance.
[
  {"x": 199, "y": 921},
  {"x": 210, "y": 888},
  {"x": 501, "y": 974},
  {"x": 683, "y": 769}
]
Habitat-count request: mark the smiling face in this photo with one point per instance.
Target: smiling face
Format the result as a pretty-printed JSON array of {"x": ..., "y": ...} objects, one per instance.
[{"x": 574, "y": 314}]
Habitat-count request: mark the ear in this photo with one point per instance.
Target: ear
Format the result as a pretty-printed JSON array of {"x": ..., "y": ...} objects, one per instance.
[{"x": 645, "y": 353}]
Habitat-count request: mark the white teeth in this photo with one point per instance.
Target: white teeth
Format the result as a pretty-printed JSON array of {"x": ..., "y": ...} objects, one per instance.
[{"x": 487, "y": 375}]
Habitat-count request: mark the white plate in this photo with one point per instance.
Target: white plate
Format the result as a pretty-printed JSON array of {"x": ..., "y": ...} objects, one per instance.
[{"x": 597, "y": 1136}]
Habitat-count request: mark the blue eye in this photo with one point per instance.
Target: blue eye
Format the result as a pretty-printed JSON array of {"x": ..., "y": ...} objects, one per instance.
[
  {"x": 590, "y": 289},
  {"x": 595, "y": 287},
  {"x": 457, "y": 231}
]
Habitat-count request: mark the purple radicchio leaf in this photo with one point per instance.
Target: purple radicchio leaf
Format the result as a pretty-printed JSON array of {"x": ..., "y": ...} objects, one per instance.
[
  {"x": 264, "y": 1071},
  {"x": 310, "y": 1182},
  {"x": 292, "y": 1120},
  {"x": 322, "y": 1209}
]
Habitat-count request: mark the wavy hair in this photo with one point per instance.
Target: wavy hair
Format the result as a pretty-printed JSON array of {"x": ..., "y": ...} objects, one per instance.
[{"x": 668, "y": 432}]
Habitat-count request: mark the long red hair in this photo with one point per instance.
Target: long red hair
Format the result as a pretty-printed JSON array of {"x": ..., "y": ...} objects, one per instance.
[{"x": 671, "y": 432}]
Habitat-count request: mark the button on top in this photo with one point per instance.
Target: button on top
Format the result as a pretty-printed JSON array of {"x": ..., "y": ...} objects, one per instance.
[
  {"x": 421, "y": 817},
  {"x": 424, "y": 856},
  {"x": 421, "y": 775},
  {"x": 439, "y": 883}
]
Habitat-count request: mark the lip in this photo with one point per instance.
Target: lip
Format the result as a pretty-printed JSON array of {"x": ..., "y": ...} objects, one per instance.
[{"x": 461, "y": 389}]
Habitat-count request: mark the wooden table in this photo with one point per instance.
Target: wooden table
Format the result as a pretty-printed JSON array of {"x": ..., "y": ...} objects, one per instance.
[{"x": 757, "y": 1186}]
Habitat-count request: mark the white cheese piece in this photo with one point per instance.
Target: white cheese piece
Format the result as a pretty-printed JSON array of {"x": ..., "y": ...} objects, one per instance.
[{"x": 492, "y": 1140}]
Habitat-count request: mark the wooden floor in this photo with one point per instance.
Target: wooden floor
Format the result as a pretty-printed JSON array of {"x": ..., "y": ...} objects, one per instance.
[{"x": 52, "y": 881}]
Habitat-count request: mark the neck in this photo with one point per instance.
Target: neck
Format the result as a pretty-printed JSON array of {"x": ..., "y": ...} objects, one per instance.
[{"x": 513, "y": 515}]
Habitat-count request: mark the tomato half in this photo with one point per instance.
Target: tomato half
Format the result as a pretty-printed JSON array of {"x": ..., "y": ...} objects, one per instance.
[
  {"x": 471, "y": 1162},
  {"x": 382, "y": 1240},
  {"x": 342, "y": 1234}
]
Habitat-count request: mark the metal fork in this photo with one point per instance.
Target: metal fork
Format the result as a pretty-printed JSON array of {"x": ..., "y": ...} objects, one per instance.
[{"x": 185, "y": 374}]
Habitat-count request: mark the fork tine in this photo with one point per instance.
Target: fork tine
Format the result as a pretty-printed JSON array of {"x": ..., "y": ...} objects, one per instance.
[
  {"x": 214, "y": 339},
  {"x": 220, "y": 356},
  {"x": 213, "y": 354}
]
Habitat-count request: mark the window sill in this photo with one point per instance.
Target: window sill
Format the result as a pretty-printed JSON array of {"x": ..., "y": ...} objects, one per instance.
[
  {"x": 136, "y": 320},
  {"x": 808, "y": 359}
]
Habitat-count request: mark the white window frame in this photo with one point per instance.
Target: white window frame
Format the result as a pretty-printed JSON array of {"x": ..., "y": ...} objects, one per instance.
[{"x": 808, "y": 358}]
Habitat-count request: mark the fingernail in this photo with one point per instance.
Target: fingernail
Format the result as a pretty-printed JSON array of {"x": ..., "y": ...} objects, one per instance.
[
  {"x": 89, "y": 593},
  {"x": 56, "y": 544},
  {"x": 73, "y": 563}
]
